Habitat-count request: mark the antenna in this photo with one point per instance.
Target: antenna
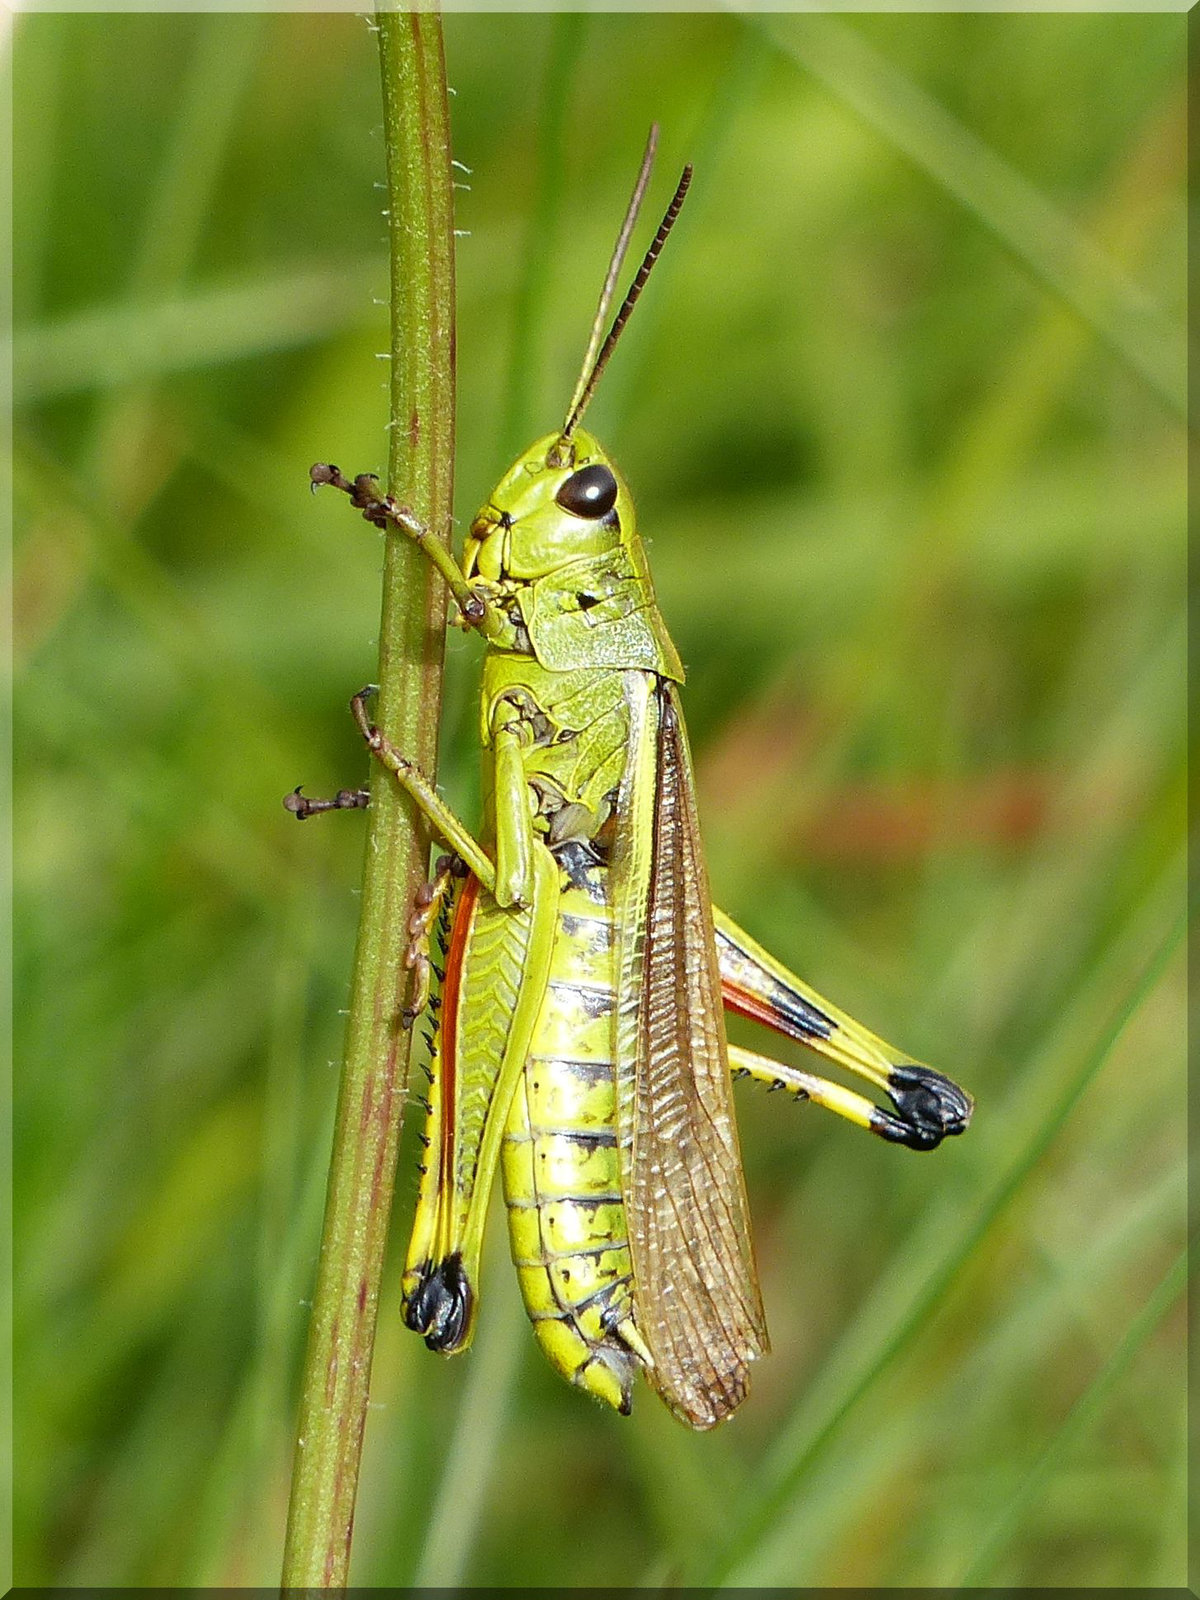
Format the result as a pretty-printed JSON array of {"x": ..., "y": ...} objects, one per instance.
[{"x": 596, "y": 359}]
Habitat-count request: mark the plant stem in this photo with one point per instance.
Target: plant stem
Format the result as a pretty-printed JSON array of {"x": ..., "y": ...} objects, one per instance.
[{"x": 337, "y": 1367}]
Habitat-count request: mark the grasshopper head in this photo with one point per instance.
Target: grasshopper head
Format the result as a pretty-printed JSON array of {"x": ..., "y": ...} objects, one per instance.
[
  {"x": 562, "y": 501},
  {"x": 559, "y": 533}
]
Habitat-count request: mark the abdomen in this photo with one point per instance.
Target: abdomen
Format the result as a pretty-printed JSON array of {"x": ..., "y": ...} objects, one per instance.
[{"x": 562, "y": 1181}]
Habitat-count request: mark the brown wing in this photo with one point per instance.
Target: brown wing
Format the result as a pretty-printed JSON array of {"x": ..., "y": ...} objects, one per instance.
[{"x": 696, "y": 1290}]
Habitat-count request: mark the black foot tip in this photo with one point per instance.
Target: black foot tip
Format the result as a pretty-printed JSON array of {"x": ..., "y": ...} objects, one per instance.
[
  {"x": 931, "y": 1107},
  {"x": 440, "y": 1306}
]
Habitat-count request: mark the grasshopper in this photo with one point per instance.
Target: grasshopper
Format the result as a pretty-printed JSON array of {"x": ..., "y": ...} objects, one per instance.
[{"x": 579, "y": 1040}]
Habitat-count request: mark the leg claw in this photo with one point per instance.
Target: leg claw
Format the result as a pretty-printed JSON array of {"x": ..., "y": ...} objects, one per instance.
[{"x": 301, "y": 805}]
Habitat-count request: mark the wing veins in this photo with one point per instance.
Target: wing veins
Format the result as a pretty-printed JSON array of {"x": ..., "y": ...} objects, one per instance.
[{"x": 699, "y": 1306}]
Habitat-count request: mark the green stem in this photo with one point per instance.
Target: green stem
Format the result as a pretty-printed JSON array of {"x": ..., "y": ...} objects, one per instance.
[{"x": 333, "y": 1405}]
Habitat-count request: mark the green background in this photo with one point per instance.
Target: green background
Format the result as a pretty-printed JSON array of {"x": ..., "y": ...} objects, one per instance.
[{"x": 903, "y": 413}]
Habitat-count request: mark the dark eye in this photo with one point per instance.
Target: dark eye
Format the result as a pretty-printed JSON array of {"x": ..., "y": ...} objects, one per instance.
[{"x": 590, "y": 492}]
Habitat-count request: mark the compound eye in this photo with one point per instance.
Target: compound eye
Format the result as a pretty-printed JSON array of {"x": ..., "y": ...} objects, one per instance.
[{"x": 590, "y": 492}]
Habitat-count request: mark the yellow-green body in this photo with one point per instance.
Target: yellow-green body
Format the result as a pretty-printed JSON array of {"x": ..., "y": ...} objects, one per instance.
[
  {"x": 533, "y": 981},
  {"x": 561, "y": 1169}
]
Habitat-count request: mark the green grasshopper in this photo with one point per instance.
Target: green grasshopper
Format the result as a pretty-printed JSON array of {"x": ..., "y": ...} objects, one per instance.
[{"x": 580, "y": 1036}]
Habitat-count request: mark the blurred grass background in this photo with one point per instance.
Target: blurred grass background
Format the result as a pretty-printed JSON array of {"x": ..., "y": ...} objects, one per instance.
[{"x": 903, "y": 411}]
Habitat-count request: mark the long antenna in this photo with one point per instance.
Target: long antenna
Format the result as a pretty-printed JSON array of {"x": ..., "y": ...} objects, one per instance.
[{"x": 596, "y": 359}]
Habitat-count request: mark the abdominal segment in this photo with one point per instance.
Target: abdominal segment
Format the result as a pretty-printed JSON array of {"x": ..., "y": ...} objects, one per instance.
[{"x": 561, "y": 1170}]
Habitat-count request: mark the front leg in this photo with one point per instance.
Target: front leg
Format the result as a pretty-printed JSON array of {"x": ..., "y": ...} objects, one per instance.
[
  {"x": 303, "y": 805},
  {"x": 384, "y": 511},
  {"x": 510, "y": 805},
  {"x": 413, "y": 781}
]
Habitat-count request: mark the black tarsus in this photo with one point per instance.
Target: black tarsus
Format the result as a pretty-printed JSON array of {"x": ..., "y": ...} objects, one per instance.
[
  {"x": 302, "y": 805},
  {"x": 364, "y": 491},
  {"x": 931, "y": 1107},
  {"x": 440, "y": 1305}
]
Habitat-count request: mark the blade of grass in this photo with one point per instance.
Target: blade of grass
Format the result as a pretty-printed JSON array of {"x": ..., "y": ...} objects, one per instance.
[
  {"x": 40, "y": 111},
  {"x": 995, "y": 437},
  {"x": 179, "y": 200},
  {"x": 140, "y": 581},
  {"x": 220, "y": 68},
  {"x": 985, "y": 1386},
  {"x": 289, "y": 1215},
  {"x": 635, "y": 378},
  {"x": 110, "y": 344},
  {"x": 1037, "y": 232},
  {"x": 1081, "y": 1416},
  {"x": 333, "y": 1408},
  {"x": 520, "y": 420}
]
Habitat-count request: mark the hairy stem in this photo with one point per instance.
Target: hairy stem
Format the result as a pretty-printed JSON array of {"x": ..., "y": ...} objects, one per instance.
[{"x": 337, "y": 1367}]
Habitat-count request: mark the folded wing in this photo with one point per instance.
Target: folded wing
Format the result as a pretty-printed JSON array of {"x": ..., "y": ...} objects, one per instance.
[{"x": 698, "y": 1302}]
